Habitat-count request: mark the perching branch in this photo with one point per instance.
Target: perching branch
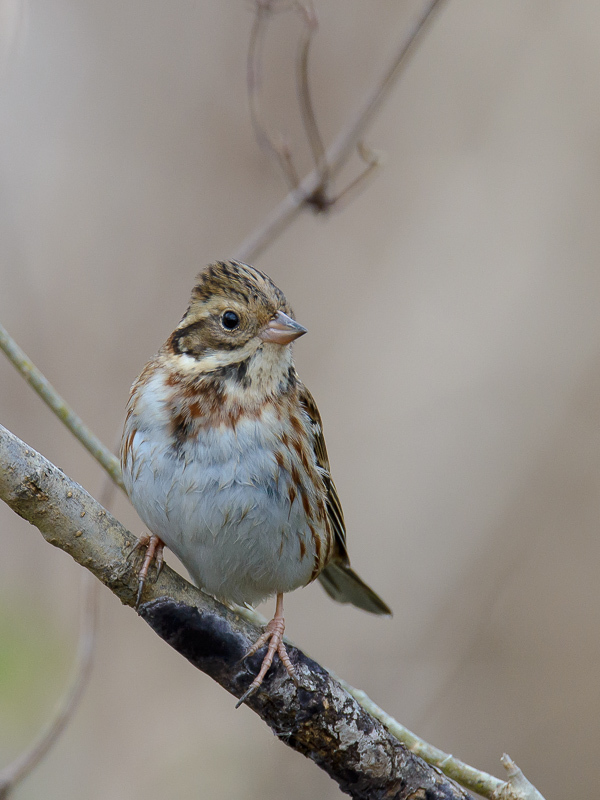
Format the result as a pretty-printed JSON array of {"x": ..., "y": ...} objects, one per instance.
[
  {"x": 320, "y": 719},
  {"x": 311, "y": 191}
]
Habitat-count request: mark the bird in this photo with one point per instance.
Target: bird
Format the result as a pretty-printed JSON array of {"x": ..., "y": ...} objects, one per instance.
[{"x": 224, "y": 458}]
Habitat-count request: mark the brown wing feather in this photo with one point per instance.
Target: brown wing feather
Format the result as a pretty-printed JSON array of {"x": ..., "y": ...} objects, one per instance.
[
  {"x": 338, "y": 579},
  {"x": 334, "y": 507}
]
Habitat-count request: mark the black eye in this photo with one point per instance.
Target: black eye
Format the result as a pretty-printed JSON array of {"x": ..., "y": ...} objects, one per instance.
[{"x": 230, "y": 320}]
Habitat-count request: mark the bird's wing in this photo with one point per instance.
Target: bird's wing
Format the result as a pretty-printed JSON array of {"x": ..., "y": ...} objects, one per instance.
[{"x": 334, "y": 507}]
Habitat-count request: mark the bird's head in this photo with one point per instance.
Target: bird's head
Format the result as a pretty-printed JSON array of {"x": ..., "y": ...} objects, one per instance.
[{"x": 236, "y": 313}]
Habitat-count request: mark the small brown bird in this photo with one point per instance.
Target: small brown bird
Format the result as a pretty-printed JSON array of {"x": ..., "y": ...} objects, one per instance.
[{"x": 224, "y": 459}]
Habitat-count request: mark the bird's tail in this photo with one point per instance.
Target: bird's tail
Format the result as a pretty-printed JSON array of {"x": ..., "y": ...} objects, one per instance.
[{"x": 344, "y": 585}]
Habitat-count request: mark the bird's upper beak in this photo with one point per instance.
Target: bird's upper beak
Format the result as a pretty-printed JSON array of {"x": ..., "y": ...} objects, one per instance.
[{"x": 282, "y": 329}]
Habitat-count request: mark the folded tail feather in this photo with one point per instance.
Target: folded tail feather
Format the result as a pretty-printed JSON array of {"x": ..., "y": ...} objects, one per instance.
[{"x": 343, "y": 584}]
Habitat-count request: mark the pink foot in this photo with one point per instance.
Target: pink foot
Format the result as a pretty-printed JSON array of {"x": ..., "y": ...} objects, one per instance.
[
  {"x": 274, "y": 635},
  {"x": 154, "y": 553}
]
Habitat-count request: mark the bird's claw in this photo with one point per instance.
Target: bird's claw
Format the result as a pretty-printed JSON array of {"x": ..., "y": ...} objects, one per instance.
[
  {"x": 273, "y": 634},
  {"x": 154, "y": 553}
]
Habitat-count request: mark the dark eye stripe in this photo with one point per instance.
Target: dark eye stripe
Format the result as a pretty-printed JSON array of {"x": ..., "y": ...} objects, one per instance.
[{"x": 179, "y": 345}]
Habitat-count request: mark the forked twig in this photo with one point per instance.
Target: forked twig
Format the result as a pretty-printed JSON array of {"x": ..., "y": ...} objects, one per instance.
[
  {"x": 280, "y": 150},
  {"x": 278, "y": 146},
  {"x": 339, "y": 152},
  {"x": 373, "y": 159}
]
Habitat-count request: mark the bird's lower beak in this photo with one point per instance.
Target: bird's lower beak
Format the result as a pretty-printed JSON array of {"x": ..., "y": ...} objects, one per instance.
[{"x": 282, "y": 329}]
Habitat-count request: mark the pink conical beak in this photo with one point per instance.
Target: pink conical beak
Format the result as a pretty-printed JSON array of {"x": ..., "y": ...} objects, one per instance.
[{"x": 282, "y": 329}]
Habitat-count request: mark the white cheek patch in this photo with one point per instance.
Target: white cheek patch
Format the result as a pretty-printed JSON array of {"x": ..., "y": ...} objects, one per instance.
[{"x": 190, "y": 366}]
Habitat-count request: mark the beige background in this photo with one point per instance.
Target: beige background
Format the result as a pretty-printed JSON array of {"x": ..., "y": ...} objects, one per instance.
[{"x": 453, "y": 347}]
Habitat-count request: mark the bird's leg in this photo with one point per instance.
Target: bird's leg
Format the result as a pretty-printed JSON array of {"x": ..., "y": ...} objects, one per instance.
[
  {"x": 154, "y": 553},
  {"x": 274, "y": 635}
]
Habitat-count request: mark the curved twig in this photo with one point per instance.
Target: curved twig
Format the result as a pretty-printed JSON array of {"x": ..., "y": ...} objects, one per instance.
[
  {"x": 343, "y": 147},
  {"x": 309, "y": 118},
  {"x": 279, "y": 150},
  {"x": 26, "y": 762}
]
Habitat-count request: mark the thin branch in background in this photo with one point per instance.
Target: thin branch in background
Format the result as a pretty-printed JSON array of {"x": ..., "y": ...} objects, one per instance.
[
  {"x": 340, "y": 151},
  {"x": 373, "y": 160},
  {"x": 60, "y": 407},
  {"x": 22, "y": 766},
  {"x": 280, "y": 148},
  {"x": 321, "y": 199},
  {"x": 309, "y": 119}
]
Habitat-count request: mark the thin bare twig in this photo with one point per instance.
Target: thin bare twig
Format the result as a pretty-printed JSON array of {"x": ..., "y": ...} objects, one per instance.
[
  {"x": 309, "y": 119},
  {"x": 321, "y": 198},
  {"x": 60, "y": 407},
  {"x": 339, "y": 152},
  {"x": 22, "y": 766},
  {"x": 373, "y": 160},
  {"x": 280, "y": 150},
  {"x": 278, "y": 147}
]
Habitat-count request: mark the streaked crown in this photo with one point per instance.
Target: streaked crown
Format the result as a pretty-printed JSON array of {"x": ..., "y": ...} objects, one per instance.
[
  {"x": 239, "y": 281},
  {"x": 231, "y": 305}
]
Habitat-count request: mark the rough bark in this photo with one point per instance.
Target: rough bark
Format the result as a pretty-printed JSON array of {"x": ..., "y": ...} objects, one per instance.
[{"x": 318, "y": 718}]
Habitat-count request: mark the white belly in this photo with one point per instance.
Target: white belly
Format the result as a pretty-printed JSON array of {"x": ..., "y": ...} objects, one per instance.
[{"x": 221, "y": 504}]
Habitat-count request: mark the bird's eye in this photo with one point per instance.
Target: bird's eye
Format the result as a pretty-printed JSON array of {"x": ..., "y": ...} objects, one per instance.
[{"x": 230, "y": 320}]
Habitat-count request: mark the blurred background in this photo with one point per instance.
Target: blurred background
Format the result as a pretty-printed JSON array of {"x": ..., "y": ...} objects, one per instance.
[{"x": 459, "y": 385}]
